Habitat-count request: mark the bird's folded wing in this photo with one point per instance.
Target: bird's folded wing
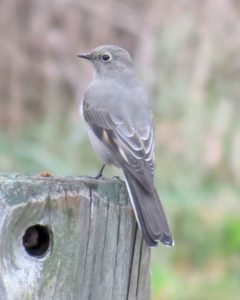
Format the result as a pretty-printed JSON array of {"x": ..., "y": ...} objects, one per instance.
[{"x": 133, "y": 147}]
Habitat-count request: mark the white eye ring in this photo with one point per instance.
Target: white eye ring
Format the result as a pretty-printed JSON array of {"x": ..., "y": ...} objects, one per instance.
[{"x": 106, "y": 57}]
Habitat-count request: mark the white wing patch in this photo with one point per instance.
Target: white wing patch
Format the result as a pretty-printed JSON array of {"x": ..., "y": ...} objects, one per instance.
[{"x": 123, "y": 154}]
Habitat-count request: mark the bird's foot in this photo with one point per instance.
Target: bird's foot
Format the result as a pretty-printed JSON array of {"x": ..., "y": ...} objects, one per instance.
[{"x": 119, "y": 178}]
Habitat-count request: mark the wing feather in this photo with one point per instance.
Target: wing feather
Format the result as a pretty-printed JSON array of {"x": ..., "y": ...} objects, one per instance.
[{"x": 133, "y": 146}]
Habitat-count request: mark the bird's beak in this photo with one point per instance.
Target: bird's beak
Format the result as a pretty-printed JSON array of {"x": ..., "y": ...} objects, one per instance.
[{"x": 85, "y": 56}]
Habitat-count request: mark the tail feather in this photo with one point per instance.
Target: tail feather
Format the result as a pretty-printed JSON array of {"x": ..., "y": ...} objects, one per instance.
[{"x": 149, "y": 213}]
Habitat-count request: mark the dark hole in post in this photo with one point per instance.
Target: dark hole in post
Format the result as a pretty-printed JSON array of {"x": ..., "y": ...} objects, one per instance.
[{"x": 36, "y": 240}]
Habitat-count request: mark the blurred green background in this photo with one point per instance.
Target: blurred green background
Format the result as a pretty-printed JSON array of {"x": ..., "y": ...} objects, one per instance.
[{"x": 187, "y": 56}]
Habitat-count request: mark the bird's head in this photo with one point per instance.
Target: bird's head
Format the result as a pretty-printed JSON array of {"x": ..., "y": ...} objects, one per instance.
[{"x": 109, "y": 60}]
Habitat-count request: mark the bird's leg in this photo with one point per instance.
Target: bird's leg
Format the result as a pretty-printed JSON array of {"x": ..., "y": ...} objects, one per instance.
[{"x": 99, "y": 174}]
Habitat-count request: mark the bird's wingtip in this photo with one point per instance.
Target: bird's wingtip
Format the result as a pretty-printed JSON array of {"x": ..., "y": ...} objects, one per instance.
[{"x": 167, "y": 240}]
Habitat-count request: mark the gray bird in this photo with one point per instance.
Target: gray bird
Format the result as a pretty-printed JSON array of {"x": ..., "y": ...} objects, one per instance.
[{"x": 121, "y": 130}]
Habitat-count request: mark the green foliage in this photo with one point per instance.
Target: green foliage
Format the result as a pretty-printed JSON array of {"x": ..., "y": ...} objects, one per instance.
[
  {"x": 231, "y": 235},
  {"x": 53, "y": 146}
]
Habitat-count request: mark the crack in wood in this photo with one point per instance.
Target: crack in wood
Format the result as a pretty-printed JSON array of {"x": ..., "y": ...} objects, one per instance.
[
  {"x": 139, "y": 267},
  {"x": 131, "y": 260},
  {"x": 89, "y": 229},
  {"x": 104, "y": 242}
]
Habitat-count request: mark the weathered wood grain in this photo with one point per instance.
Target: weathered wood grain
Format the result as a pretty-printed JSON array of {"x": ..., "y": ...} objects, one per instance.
[{"x": 95, "y": 252}]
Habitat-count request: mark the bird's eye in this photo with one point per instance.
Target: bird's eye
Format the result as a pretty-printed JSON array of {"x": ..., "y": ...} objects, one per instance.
[{"x": 105, "y": 57}]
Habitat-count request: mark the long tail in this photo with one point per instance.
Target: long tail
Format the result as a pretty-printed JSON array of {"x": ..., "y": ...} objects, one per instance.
[{"x": 149, "y": 213}]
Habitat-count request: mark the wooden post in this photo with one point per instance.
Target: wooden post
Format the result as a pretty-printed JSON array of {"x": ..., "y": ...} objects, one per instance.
[{"x": 70, "y": 238}]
